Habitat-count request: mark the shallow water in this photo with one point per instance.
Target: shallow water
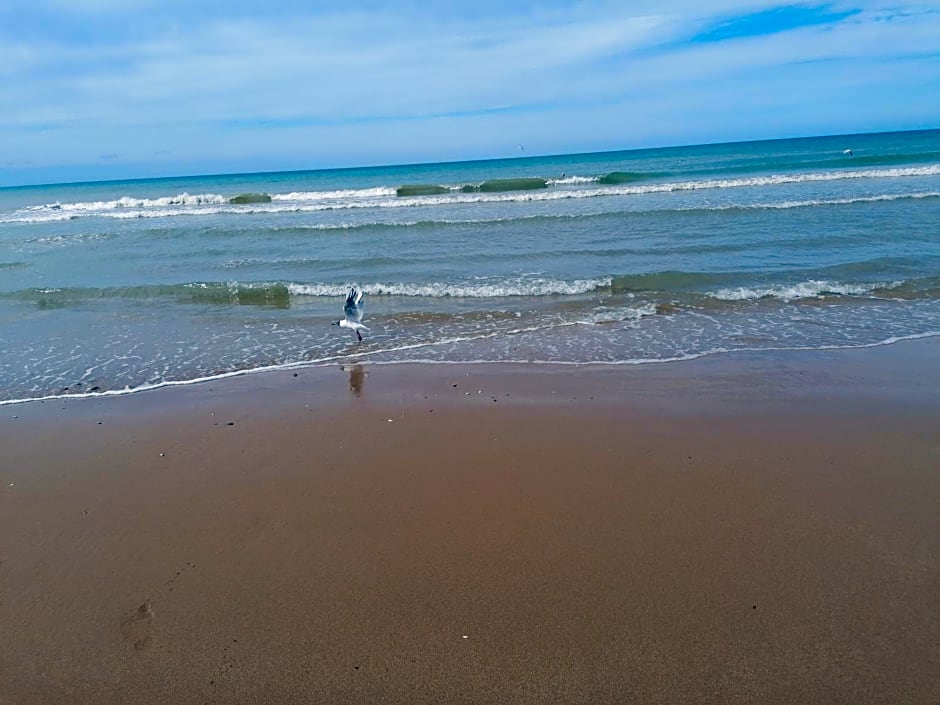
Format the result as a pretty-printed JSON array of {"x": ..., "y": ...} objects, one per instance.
[{"x": 786, "y": 244}]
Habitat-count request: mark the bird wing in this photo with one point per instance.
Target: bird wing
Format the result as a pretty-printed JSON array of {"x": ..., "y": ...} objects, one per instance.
[{"x": 353, "y": 307}]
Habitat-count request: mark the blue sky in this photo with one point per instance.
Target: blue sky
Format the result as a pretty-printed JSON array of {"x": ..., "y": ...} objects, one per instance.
[{"x": 94, "y": 89}]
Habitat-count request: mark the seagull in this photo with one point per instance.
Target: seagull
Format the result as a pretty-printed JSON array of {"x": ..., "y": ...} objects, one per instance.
[
  {"x": 353, "y": 311},
  {"x": 847, "y": 151}
]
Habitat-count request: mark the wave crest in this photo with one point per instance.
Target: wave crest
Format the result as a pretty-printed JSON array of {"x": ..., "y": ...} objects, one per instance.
[
  {"x": 536, "y": 286},
  {"x": 572, "y": 187},
  {"x": 811, "y": 289}
]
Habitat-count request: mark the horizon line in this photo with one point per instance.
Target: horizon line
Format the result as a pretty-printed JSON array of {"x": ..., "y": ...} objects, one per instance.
[{"x": 208, "y": 175}]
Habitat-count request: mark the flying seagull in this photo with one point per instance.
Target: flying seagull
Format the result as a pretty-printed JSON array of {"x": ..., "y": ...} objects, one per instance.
[{"x": 353, "y": 311}]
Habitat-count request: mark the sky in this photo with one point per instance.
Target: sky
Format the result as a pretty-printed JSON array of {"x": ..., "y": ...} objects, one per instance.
[{"x": 99, "y": 89}]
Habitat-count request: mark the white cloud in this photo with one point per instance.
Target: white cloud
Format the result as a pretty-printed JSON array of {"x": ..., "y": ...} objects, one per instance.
[{"x": 348, "y": 85}]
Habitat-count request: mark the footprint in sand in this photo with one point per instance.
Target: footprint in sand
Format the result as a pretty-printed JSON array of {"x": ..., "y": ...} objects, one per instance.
[
  {"x": 136, "y": 624},
  {"x": 171, "y": 583},
  {"x": 224, "y": 677},
  {"x": 135, "y": 627}
]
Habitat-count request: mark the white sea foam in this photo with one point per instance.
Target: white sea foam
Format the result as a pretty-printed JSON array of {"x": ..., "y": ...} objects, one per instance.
[
  {"x": 566, "y": 180},
  {"x": 45, "y": 218},
  {"x": 667, "y": 187},
  {"x": 182, "y": 199},
  {"x": 880, "y": 198},
  {"x": 814, "y": 288},
  {"x": 384, "y": 197},
  {"x": 620, "y": 314},
  {"x": 55, "y": 240},
  {"x": 518, "y": 287},
  {"x": 293, "y": 207},
  {"x": 331, "y": 359},
  {"x": 306, "y": 196}
]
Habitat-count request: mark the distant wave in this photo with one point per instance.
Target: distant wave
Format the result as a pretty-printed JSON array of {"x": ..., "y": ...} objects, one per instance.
[
  {"x": 429, "y": 222},
  {"x": 317, "y": 196},
  {"x": 384, "y": 197},
  {"x": 570, "y": 180},
  {"x": 183, "y": 199}
]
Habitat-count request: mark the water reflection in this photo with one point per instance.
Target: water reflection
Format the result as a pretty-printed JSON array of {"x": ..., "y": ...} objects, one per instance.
[{"x": 357, "y": 377}]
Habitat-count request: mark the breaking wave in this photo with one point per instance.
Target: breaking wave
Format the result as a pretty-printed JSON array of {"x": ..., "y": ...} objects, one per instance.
[
  {"x": 514, "y": 287},
  {"x": 658, "y": 286},
  {"x": 380, "y": 197}
]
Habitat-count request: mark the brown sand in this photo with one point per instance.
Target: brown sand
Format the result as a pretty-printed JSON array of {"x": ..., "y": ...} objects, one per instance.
[{"x": 747, "y": 529}]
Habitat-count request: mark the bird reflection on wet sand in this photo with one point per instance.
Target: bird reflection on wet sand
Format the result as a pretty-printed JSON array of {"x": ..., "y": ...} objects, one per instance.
[{"x": 357, "y": 376}]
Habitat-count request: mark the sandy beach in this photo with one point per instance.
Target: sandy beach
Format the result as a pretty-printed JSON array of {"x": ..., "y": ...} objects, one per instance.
[{"x": 752, "y": 528}]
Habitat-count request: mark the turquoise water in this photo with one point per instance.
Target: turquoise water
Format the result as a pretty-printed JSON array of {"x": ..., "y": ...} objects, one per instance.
[{"x": 686, "y": 251}]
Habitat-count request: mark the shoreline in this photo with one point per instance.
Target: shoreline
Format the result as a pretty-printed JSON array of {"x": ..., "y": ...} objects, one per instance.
[
  {"x": 734, "y": 357},
  {"x": 750, "y": 527}
]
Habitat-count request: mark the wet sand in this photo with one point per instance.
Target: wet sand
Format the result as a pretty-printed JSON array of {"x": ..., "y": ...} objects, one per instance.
[{"x": 739, "y": 529}]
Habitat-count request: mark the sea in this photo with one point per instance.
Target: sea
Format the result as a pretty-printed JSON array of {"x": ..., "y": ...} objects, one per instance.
[{"x": 618, "y": 258}]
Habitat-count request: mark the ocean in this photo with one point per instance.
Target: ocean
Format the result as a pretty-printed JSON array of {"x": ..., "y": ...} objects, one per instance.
[{"x": 616, "y": 258}]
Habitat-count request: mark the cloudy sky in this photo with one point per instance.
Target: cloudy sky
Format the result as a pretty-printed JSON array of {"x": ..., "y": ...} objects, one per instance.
[{"x": 95, "y": 89}]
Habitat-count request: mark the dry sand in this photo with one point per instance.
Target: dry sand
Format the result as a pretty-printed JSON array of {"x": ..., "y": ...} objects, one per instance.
[{"x": 743, "y": 529}]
